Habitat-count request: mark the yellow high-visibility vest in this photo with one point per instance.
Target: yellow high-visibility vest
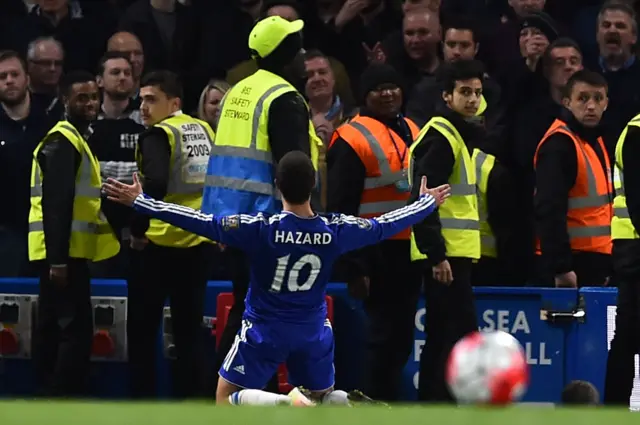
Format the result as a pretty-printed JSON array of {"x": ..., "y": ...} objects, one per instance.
[
  {"x": 459, "y": 213},
  {"x": 91, "y": 236},
  {"x": 190, "y": 141},
  {"x": 621, "y": 225},
  {"x": 242, "y": 168},
  {"x": 483, "y": 164}
]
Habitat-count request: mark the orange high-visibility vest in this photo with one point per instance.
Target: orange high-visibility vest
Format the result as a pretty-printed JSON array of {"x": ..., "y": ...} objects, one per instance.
[
  {"x": 590, "y": 210},
  {"x": 385, "y": 156}
]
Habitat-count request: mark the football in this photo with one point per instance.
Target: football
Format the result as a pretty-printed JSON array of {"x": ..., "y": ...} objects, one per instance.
[{"x": 487, "y": 368}]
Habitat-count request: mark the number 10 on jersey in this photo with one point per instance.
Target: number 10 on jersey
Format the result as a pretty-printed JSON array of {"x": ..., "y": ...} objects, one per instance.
[{"x": 292, "y": 273}]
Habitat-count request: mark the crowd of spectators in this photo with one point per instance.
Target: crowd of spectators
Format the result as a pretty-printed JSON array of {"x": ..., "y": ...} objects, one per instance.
[{"x": 529, "y": 49}]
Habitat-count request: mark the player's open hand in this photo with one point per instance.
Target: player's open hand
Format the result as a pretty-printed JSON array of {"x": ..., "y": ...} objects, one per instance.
[
  {"x": 121, "y": 193},
  {"x": 440, "y": 193}
]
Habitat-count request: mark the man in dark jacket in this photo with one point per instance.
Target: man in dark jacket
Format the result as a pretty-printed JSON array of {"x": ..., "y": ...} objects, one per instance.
[
  {"x": 65, "y": 202},
  {"x": 451, "y": 238},
  {"x": 573, "y": 192},
  {"x": 24, "y": 121}
]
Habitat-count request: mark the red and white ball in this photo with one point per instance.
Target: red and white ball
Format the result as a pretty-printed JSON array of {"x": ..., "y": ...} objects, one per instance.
[{"x": 487, "y": 368}]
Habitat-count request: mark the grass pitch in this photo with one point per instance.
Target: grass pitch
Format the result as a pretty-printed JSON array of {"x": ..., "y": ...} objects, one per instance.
[{"x": 62, "y": 413}]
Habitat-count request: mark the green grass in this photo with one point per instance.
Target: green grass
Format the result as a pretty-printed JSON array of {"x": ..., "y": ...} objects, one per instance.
[{"x": 62, "y": 413}]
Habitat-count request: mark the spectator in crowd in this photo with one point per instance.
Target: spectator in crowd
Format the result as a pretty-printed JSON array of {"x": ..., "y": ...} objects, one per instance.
[
  {"x": 620, "y": 374},
  {"x": 410, "y": 5},
  {"x": 617, "y": 35},
  {"x": 288, "y": 10},
  {"x": 82, "y": 32},
  {"x": 113, "y": 141},
  {"x": 23, "y": 123},
  {"x": 328, "y": 110},
  {"x": 572, "y": 201},
  {"x": 66, "y": 232},
  {"x": 561, "y": 60},
  {"x": 172, "y": 156},
  {"x": 263, "y": 117},
  {"x": 367, "y": 168},
  {"x": 321, "y": 92},
  {"x": 127, "y": 43},
  {"x": 415, "y": 53},
  {"x": 501, "y": 46},
  {"x": 450, "y": 238},
  {"x": 460, "y": 43},
  {"x": 582, "y": 393},
  {"x": 168, "y": 38},
  {"x": 45, "y": 60},
  {"x": 210, "y": 99},
  {"x": 521, "y": 77}
]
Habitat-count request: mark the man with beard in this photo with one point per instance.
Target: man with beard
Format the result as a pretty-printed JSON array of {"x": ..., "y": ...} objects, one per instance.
[
  {"x": 66, "y": 232},
  {"x": 23, "y": 123},
  {"x": 114, "y": 140},
  {"x": 617, "y": 35}
]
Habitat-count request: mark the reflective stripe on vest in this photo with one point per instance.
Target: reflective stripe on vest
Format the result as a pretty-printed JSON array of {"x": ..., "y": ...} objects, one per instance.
[
  {"x": 77, "y": 226},
  {"x": 487, "y": 240},
  {"x": 387, "y": 177},
  {"x": 176, "y": 184},
  {"x": 461, "y": 189},
  {"x": 251, "y": 152},
  {"x": 592, "y": 200}
]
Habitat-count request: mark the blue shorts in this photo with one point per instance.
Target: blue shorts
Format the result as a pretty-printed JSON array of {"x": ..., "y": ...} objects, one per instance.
[{"x": 260, "y": 348}]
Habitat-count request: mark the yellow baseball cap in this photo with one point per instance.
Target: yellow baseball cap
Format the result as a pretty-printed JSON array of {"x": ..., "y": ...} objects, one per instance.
[{"x": 268, "y": 33}]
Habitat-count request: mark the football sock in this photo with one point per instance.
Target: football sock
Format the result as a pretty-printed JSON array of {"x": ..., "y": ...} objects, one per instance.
[
  {"x": 258, "y": 398},
  {"x": 336, "y": 397}
]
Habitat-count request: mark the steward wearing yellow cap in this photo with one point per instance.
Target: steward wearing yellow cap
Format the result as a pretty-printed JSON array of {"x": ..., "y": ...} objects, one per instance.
[{"x": 262, "y": 118}]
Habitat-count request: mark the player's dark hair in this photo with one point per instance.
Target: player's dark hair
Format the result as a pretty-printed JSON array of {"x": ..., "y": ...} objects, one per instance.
[
  {"x": 459, "y": 71},
  {"x": 295, "y": 177},
  {"x": 168, "y": 82},
  {"x": 583, "y": 76},
  {"x": 580, "y": 393},
  {"x": 74, "y": 77},
  {"x": 109, "y": 56}
]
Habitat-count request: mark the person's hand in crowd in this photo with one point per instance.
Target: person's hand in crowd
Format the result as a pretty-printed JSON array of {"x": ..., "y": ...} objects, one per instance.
[
  {"x": 566, "y": 280},
  {"x": 359, "y": 288},
  {"x": 534, "y": 48},
  {"x": 350, "y": 9},
  {"x": 138, "y": 244},
  {"x": 122, "y": 193},
  {"x": 440, "y": 193},
  {"x": 442, "y": 272},
  {"x": 375, "y": 54},
  {"x": 324, "y": 128},
  {"x": 58, "y": 275}
]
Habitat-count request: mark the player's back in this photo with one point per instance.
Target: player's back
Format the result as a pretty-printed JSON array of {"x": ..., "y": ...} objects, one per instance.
[{"x": 291, "y": 264}]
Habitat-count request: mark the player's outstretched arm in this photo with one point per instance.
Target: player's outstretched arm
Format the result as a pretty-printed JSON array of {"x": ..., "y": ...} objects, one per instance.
[
  {"x": 226, "y": 230},
  {"x": 355, "y": 233}
]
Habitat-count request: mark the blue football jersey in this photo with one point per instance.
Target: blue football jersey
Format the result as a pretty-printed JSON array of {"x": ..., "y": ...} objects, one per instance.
[{"x": 291, "y": 257}]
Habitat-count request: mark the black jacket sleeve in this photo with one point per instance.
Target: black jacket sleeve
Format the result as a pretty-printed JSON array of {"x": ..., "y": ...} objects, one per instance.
[
  {"x": 59, "y": 162},
  {"x": 435, "y": 159},
  {"x": 501, "y": 210},
  {"x": 556, "y": 170},
  {"x": 288, "y": 125},
  {"x": 631, "y": 162},
  {"x": 346, "y": 175},
  {"x": 156, "y": 158}
]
